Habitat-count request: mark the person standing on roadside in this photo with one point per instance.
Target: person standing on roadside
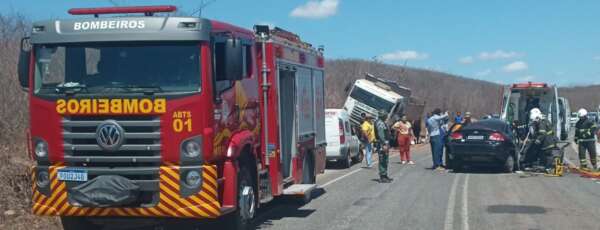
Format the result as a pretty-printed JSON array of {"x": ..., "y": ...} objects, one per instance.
[
  {"x": 434, "y": 127},
  {"x": 585, "y": 137},
  {"x": 405, "y": 136},
  {"x": 468, "y": 120},
  {"x": 383, "y": 146},
  {"x": 458, "y": 119},
  {"x": 368, "y": 131}
]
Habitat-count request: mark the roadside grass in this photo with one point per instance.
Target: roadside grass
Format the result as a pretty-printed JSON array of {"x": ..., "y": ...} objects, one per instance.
[{"x": 15, "y": 191}]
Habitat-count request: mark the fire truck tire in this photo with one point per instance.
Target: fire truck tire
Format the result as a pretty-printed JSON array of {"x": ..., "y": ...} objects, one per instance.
[
  {"x": 308, "y": 169},
  {"x": 242, "y": 218},
  {"x": 75, "y": 223}
]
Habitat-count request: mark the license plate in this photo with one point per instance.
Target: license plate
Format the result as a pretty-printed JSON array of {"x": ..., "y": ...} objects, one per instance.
[
  {"x": 72, "y": 174},
  {"x": 475, "y": 138}
]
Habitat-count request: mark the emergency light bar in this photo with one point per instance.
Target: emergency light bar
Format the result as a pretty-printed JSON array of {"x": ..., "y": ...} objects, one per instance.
[
  {"x": 147, "y": 10},
  {"x": 529, "y": 85}
]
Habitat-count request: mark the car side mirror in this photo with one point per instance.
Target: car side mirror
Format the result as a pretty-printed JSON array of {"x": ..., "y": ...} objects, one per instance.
[
  {"x": 24, "y": 63},
  {"x": 233, "y": 59}
]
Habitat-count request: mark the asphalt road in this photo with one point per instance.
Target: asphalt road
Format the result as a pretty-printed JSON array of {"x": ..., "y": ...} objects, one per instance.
[{"x": 419, "y": 198}]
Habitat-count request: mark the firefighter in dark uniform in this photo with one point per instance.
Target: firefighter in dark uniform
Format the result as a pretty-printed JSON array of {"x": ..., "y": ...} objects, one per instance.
[
  {"x": 585, "y": 137},
  {"x": 382, "y": 146},
  {"x": 544, "y": 139}
]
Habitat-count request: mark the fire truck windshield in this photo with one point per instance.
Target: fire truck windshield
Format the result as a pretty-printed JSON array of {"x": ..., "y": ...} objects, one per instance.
[{"x": 117, "y": 68}]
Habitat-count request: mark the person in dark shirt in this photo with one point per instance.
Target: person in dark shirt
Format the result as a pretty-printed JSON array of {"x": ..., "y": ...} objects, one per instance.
[
  {"x": 585, "y": 137},
  {"x": 382, "y": 145}
]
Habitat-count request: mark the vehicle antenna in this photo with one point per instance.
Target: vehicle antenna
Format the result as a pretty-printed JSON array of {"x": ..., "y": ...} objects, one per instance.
[
  {"x": 114, "y": 2},
  {"x": 403, "y": 69},
  {"x": 203, "y": 4}
]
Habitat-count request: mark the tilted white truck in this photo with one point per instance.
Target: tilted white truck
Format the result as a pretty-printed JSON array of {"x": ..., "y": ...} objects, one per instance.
[{"x": 373, "y": 94}]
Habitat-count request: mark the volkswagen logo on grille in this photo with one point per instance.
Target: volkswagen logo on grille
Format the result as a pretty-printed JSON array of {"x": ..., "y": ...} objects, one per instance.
[{"x": 110, "y": 135}]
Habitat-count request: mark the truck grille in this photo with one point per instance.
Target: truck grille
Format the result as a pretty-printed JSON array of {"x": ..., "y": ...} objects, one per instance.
[
  {"x": 138, "y": 158},
  {"x": 358, "y": 109}
]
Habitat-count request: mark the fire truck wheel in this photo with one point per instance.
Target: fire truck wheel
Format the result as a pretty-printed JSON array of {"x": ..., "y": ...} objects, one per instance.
[
  {"x": 308, "y": 169},
  {"x": 75, "y": 223},
  {"x": 242, "y": 218}
]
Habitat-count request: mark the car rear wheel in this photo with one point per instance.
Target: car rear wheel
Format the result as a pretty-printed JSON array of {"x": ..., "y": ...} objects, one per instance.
[
  {"x": 359, "y": 157},
  {"x": 346, "y": 162},
  {"x": 509, "y": 164}
]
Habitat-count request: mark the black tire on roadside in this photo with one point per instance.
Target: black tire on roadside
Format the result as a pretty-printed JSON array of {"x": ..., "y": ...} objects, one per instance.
[
  {"x": 346, "y": 162},
  {"x": 359, "y": 157},
  {"x": 76, "y": 223},
  {"x": 509, "y": 164},
  {"x": 517, "y": 162}
]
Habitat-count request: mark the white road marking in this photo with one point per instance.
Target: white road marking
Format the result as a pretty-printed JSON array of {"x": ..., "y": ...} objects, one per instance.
[
  {"x": 375, "y": 162},
  {"x": 344, "y": 176},
  {"x": 448, "y": 223},
  {"x": 465, "y": 206}
]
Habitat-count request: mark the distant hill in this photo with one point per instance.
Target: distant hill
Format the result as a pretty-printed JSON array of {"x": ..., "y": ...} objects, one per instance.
[
  {"x": 439, "y": 90},
  {"x": 582, "y": 96}
]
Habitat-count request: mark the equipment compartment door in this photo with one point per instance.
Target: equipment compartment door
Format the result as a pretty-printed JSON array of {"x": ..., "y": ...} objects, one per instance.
[{"x": 287, "y": 124}]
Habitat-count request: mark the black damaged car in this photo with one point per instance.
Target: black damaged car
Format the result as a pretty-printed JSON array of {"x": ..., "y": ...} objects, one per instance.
[{"x": 486, "y": 142}]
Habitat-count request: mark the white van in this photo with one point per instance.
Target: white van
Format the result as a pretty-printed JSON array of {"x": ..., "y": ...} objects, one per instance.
[{"x": 342, "y": 144}]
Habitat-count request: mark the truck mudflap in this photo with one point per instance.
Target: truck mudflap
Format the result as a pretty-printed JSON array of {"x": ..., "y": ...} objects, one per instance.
[{"x": 203, "y": 204}]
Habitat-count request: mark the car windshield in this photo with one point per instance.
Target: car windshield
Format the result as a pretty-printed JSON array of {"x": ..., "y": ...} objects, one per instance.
[
  {"x": 370, "y": 99},
  {"x": 117, "y": 68}
]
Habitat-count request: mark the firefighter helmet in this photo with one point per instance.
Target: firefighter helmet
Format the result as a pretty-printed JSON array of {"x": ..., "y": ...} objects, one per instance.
[
  {"x": 535, "y": 114},
  {"x": 582, "y": 113}
]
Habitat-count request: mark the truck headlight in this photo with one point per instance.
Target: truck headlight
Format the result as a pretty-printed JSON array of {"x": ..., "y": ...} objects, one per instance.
[
  {"x": 42, "y": 179},
  {"x": 191, "y": 149},
  {"x": 41, "y": 148},
  {"x": 193, "y": 178}
]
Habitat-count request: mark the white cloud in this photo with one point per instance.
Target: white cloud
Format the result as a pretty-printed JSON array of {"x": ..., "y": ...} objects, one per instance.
[
  {"x": 498, "y": 54},
  {"x": 466, "y": 60},
  {"x": 316, "y": 9},
  {"x": 527, "y": 78},
  {"x": 596, "y": 58},
  {"x": 515, "y": 66},
  {"x": 403, "y": 55},
  {"x": 483, "y": 73}
]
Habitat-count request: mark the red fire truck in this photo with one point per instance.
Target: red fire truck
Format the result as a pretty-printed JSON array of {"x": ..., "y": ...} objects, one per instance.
[{"x": 161, "y": 116}]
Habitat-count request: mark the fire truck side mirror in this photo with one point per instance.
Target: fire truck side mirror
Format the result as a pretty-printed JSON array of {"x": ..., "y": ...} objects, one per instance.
[
  {"x": 24, "y": 61},
  {"x": 233, "y": 59}
]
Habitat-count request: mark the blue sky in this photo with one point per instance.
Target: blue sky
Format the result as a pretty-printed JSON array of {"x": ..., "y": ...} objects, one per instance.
[{"x": 497, "y": 40}]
